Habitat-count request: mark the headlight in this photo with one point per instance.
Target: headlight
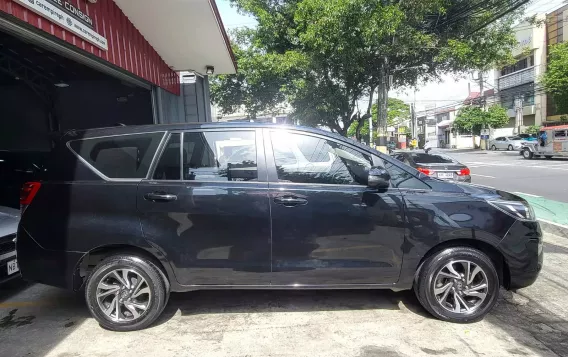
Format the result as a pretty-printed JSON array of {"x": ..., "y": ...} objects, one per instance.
[{"x": 517, "y": 209}]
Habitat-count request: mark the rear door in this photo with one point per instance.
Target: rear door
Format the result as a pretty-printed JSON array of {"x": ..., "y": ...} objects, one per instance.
[
  {"x": 328, "y": 227},
  {"x": 206, "y": 206}
]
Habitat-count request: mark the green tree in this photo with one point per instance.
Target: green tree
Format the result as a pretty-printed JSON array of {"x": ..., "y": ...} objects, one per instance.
[
  {"x": 555, "y": 79},
  {"x": 471, "y": 119},
  {"x": 326, "y": 55},
  {"x": 533, "y": 129},
  {"x": 398, "y": 111}
]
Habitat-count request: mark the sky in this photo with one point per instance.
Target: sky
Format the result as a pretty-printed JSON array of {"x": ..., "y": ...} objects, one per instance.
[{"x": 444, "y": 93}]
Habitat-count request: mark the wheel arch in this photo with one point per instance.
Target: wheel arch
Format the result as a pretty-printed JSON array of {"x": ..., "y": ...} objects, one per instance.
[
  {"x": 491, "y": 251},
  {"x": 96, "y": 255}
]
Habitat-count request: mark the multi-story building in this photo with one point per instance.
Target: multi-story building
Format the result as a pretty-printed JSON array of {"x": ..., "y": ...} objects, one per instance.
[
  {"x": 517, "y": 84},
  {"x": 556, "y": 32}
]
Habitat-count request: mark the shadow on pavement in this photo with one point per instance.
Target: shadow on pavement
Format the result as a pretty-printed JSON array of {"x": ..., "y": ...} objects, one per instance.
[
  {"x": 35, "y": 318},
  {"x": 523, "y": 318},
  {"x": 261, "y": 301}
]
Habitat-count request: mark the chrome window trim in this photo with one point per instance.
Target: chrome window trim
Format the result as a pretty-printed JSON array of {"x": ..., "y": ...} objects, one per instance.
[{"x": 100, "y": 174}]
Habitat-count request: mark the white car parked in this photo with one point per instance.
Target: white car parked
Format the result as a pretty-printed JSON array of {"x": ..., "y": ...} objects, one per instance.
[{"x": 506, "y": 143}]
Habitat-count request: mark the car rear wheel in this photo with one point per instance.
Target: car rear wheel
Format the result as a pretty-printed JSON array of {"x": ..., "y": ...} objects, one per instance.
[
  {"x": 126, "y": 292},
  {"x": 510, "y": 147},
  {"x": 527, "y": 154},
  {"x": 458, "y": 284},
  {"x": 493, "y": 147}
]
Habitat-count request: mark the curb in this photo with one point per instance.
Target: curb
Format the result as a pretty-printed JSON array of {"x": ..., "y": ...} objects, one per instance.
[{"x": 553, "y": 228}]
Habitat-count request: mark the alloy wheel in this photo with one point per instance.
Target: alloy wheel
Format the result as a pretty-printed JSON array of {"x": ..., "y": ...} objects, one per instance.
[
  {"x": 461, "y": 286},
  {"x": 123, "y": 295}
]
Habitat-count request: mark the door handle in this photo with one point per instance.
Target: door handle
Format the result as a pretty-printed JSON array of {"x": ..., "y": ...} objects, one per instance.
[
  {"x": 159, "y": 197},
  {"x": 290, "y": 201}
]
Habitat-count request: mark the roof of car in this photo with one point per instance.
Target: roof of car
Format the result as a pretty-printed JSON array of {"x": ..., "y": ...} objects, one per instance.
[{"x": 134, "y": 129}]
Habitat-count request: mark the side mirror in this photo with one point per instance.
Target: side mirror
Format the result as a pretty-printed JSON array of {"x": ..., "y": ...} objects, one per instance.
[{"x": 379, "y": 178}]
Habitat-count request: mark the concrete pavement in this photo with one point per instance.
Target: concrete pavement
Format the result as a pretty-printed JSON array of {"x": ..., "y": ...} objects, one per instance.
[{"x": 41, "y": 321}]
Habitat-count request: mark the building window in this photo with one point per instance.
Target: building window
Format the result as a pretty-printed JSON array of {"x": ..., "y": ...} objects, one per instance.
[{"x": 520, "y": 65}]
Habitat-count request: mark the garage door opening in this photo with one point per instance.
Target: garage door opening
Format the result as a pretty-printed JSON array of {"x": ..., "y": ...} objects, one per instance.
[{"x": 44, "y": 93}]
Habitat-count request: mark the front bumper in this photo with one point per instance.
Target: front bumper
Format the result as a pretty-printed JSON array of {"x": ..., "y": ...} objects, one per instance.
[{"x": 522, "y": 248}]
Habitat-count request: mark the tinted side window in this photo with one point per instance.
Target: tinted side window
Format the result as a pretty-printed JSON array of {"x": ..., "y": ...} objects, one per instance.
[
  {"x": 169, "y": 166},
  {"x": 127, "y": 156},
  {"x": 219, "y": 156},
  {"x": 306, "y": 159},
  {"x": 403, "y": 179}
]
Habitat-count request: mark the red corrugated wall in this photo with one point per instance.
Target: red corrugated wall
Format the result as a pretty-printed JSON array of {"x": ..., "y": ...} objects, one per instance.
[{"x": 127, "y": 48}]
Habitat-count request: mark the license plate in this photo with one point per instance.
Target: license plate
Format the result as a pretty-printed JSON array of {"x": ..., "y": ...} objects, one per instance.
[
  {"x": 445, "y": 175},
  {"x": 13, "y": 267}
]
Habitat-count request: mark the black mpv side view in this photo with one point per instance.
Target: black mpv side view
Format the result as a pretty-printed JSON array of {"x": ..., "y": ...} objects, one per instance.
[{"x": 132, "y": 213}]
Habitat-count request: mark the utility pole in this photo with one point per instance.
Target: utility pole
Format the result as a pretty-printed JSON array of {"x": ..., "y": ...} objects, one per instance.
[
  {"x": 482, "y": 142},
  {"x": 371, "y": 130},
  {"x": 382, "y": 102},
  {"x": 518, "y": 114}
]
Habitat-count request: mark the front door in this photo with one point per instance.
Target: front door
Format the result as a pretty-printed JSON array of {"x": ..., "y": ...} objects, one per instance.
[
  {"x": 206, "y": 207},
  {"x": 328, "y": 228}
]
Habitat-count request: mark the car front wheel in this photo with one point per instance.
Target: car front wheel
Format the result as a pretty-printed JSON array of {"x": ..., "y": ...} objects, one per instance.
[
  {"x": 527, "y": 154},
  {"x": 458, "y": 284},
  {"x": 126, "y": 292}
]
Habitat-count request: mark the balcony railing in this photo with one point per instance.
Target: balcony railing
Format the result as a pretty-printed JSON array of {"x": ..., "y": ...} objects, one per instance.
[{"x": 523, "y": 76}]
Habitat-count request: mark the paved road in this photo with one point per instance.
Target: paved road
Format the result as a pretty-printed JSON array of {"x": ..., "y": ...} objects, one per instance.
[
  {"x": 40, "y": 321},
  {"x": 509, "y": 171}
]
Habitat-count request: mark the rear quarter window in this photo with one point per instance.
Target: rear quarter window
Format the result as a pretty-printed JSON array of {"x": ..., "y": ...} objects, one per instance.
[{"x": 119, "y": 157}]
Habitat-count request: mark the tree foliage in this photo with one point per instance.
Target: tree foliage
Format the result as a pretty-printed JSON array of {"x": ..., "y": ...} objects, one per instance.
[
  {"x": 398, "y": 112},
  {"x": 532, "y": 129},
  {"x": 472, "y": 119},
  {"x": 323, "y": 56},
  {"x": 555, "y": 79}
]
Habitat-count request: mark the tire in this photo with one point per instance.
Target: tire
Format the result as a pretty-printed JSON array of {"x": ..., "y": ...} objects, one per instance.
[
  {"x": 510, "y": 147},
  {"x": 428, "y": 278},
  {"x": 527, "y": 154},
  {"x": 493, "y": 147},
  {"x": 148, "y": 305}
]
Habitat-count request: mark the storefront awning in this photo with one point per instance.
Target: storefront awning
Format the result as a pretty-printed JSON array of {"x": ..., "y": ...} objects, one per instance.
[
  {"x": 187, "y": 34},
  {"x": 444, "y": 123}
]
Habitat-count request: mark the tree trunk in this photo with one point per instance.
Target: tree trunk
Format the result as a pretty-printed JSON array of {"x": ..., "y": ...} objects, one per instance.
[{"x": 360, "y": 123}]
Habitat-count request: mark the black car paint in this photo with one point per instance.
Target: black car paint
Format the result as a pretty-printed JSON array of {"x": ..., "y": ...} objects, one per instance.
[{"x": 234, "y": 234}]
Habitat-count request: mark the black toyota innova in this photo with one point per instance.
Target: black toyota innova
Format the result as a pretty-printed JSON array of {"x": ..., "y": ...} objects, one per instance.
[{"x": 131, "y": 213}]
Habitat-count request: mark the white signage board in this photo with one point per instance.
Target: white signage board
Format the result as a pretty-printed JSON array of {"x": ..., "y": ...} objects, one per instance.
[{"x": 59, "y": 17}]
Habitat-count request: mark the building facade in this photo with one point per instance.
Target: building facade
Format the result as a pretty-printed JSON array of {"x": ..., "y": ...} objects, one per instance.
[
  {"x": 78, "y": 64},
  {"x": 556, "y": 32},
  {"x": 517, "y": 85}
]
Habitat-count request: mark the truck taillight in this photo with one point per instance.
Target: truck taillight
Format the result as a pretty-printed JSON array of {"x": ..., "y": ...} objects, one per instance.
[{"x": 28, "y": 192}]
